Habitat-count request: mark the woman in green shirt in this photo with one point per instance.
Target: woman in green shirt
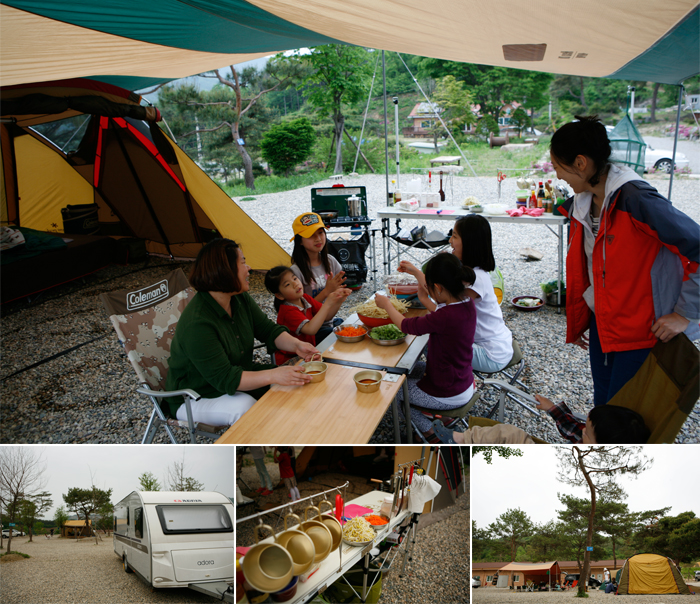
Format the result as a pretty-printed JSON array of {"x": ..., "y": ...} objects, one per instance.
[{"x": 212, "y": 350}]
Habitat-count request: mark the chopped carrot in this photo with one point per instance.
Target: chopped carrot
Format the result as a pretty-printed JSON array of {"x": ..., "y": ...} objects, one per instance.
[
  {"x": 351, "y": 332},
  {"x": 376, "y": 520}
]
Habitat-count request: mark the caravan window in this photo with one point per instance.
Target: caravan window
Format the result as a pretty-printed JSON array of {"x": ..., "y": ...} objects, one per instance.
[
  {"x": 121, "y": 524},
  {"x": 176, "y": 519},
  {"x": 138, "y": 523}
]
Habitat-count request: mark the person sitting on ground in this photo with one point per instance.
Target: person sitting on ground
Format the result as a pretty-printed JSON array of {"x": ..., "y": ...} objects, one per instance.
[
  {"x": 611, "y": 587},
  {"x": 605, "y": 424}
]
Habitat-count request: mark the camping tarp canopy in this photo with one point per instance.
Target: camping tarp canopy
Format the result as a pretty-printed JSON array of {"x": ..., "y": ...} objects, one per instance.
[
  {"x": 133, "y": 44},
  {"x": 651, "y": 574},
  {"x": 83, "y": 142},
  {"x": 533, "y": 569}
]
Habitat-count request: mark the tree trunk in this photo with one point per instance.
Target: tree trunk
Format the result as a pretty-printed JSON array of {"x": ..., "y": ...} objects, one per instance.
[
  {"x": 653, "y": 102},
  {"x": 339, "y": 122},
  {"x": 614, "y": 557},
  {"x": 330, "y": 153},
  {"x": 356, "y": 147},
  {"x": 589, "y": 535},
  {"x": 247, "y": 161},
  {"x": 583, "y": 96}
]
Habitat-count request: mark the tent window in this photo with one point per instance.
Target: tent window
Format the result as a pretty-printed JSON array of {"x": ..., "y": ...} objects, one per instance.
[{"x": 66, "y": 134}]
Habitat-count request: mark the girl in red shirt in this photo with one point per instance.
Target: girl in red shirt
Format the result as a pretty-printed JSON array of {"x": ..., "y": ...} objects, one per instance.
[
  {"x": 283, "y": 457},
  {"x": 297, "y": 311}
]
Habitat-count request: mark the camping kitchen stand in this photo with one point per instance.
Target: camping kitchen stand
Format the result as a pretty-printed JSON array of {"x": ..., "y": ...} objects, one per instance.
[
  {"x": 453, "y": 213},
  {"x": 334, "y": 200},
  {"x": 346, "y": 556}
]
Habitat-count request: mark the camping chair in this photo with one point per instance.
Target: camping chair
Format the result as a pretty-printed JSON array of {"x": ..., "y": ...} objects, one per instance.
[
  {"x": 511, "y": 372},
  {"x": 456, "y": 416},
  {"x": 145, "y": 322},
  {"x": 664, "y": 390}
]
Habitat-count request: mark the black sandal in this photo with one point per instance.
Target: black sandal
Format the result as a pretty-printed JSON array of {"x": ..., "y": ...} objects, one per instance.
[{"x": 445, "y": 435}]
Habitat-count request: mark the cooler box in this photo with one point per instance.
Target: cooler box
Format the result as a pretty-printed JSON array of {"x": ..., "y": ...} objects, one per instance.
[{"x": 80, "y": 219}]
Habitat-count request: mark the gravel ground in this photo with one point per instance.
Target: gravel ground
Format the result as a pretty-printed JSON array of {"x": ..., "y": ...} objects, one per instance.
[
  {"x": 65, "y": 571},
  {"x": 441, "y": 549},
  {"x": 87, "y": 394},
  {"x": 505, "y": 596}
]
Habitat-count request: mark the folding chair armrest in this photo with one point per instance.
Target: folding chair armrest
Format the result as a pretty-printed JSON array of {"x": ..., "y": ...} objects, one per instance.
[
  {"x": 163, "y": 393},
  {"x": 502, "y": 384}
]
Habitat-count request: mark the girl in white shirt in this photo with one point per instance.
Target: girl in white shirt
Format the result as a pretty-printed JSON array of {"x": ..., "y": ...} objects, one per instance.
[{"x": 471, "y": 243}]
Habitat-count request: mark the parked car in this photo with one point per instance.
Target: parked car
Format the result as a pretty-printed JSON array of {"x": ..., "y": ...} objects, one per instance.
[
  {"x": 15, "y": 533},
  {"x": 660, "y": 159},
  {"x": 697, "y": 575},
  {"x": 592, "y": 581},
  {"x": 477, "y": 583}
]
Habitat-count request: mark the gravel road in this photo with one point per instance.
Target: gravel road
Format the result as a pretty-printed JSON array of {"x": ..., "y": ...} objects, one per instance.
[
  {"x": 505, "y": 596},
  {"x": 65, "y": 571}
]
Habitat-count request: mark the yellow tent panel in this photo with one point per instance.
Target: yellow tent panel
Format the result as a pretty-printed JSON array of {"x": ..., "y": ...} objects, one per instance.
[{"x": 650, "y": 575}]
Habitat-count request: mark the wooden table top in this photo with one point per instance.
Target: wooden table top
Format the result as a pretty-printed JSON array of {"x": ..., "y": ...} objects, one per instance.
[{"x": 331, "y": 411}]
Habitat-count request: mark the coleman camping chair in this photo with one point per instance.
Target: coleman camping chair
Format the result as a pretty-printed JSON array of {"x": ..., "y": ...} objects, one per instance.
[
  {"x": 145, "y": 321},
  {"x": 664, "y": 390}
]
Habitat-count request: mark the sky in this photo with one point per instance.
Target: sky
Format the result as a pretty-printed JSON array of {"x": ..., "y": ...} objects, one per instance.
[
  {"x": 119, "y": 466},
  {"x": 529, "y": 483}
]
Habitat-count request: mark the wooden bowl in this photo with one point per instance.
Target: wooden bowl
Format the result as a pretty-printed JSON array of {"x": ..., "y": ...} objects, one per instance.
[{"x": 368, "y": 374}]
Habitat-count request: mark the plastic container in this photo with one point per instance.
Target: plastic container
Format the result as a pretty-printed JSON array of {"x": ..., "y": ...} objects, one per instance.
[
  {"x": 80, "y": 219},
  {"x": 386, "y": 506}
]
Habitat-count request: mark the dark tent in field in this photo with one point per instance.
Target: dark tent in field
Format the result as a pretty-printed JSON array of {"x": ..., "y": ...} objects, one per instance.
[
  {"x": 650, "y": 574},
  {"x": 92, "y": 145}
]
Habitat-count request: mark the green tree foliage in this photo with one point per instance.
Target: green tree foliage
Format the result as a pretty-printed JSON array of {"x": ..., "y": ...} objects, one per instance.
[
  {"x": 339, "y": 79},
  {"x": 488, "y": 452},
  {"x": 493, "y": 87},
  {"x": 32, "y": 507},
  {"x": 454, "y": 105},
  {"x": 286, "y": 145},
  {"x": 598, "y": 469},
  {"x": 545, "y": 542},
  {"x": 573, "y": 533},
  {"x": 148, "y": 482},
  {"x": 60, "y": 517},
  {"x": 677, "y": 537},
  {"x": 87, "y": 501},
  {"x": 513, "y": 528}
]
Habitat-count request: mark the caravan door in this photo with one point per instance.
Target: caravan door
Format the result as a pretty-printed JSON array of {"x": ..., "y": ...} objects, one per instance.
[{"x": 140, "y": 551}]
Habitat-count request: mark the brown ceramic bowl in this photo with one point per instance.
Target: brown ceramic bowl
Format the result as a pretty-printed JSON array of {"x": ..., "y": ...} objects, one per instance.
[{"x": 374, "y": 377}]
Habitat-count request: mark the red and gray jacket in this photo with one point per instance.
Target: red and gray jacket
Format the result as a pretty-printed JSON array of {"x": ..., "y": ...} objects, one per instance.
[{"x": 646, "y": 260}]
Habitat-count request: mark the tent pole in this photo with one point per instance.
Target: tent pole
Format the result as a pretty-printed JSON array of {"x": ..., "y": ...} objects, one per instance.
[
  {"x": 396, "y": 128},
  {"x": 386, "y": 132},
  {"x": 675, "y": 138}
]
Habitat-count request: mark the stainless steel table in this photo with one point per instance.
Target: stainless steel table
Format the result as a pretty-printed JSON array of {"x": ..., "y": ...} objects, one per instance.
[{"x": 452, "y": 213}]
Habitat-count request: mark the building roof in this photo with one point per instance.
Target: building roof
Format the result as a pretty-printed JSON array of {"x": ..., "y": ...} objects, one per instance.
[
  {"x": 423, "y": 110},
  {"x": 527, "y": 566},
  {"x": 76, "y": 523},
  {"x": 610, "y": 564}
]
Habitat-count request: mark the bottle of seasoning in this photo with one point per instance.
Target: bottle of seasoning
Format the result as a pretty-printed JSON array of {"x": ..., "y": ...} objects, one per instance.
[
  {"x": 540, "y": 196},
  {"x": 397, "y": 196},
  {"x": 390, "y": 195},
  {"x": 532, "y": 203},
  {"x": 442, "y": 193}
]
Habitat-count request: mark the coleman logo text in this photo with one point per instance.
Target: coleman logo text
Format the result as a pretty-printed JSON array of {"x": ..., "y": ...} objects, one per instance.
[{"x": 147, "y": 296}]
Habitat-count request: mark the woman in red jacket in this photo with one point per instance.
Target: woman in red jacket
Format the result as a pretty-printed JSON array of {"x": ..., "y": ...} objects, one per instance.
[{"x": 632, "y": 265}]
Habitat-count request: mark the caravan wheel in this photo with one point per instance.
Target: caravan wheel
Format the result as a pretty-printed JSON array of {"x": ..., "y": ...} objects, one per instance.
[{"x": 127, "y": 569}]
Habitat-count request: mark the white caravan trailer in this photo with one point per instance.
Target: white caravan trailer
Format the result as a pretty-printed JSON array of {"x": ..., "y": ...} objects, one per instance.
[{"x": 177, "y": 539}]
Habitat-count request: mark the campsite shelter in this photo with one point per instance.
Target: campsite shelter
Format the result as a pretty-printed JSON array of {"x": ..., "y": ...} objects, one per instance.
[
  {"x": 134, "y": 44},
  {"x": 485, "y": 571},
  {"x": 520, "y": 573},
  {"x": 651, "y": 574},
  {"x": 76, "y": 528},
  {"x": 82, "y": 142}
]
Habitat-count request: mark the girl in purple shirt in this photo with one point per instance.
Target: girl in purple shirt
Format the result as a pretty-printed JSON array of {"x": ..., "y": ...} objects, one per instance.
[{"x": 448, "y": 382}]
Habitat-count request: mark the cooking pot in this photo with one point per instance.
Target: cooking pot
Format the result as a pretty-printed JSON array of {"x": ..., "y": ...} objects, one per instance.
[
  {"x": 268, "y": 567},
  {"x": 332, "y": 524},
  {"x": 320, "y": 534},
  {"x": 299, "y": 545}
]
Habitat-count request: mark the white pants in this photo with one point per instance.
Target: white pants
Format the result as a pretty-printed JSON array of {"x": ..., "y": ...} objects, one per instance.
[{"x": 222, "y": 411}]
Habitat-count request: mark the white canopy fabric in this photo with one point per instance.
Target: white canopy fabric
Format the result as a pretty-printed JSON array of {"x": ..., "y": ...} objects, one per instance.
[{"x": 134, "y": 44}]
